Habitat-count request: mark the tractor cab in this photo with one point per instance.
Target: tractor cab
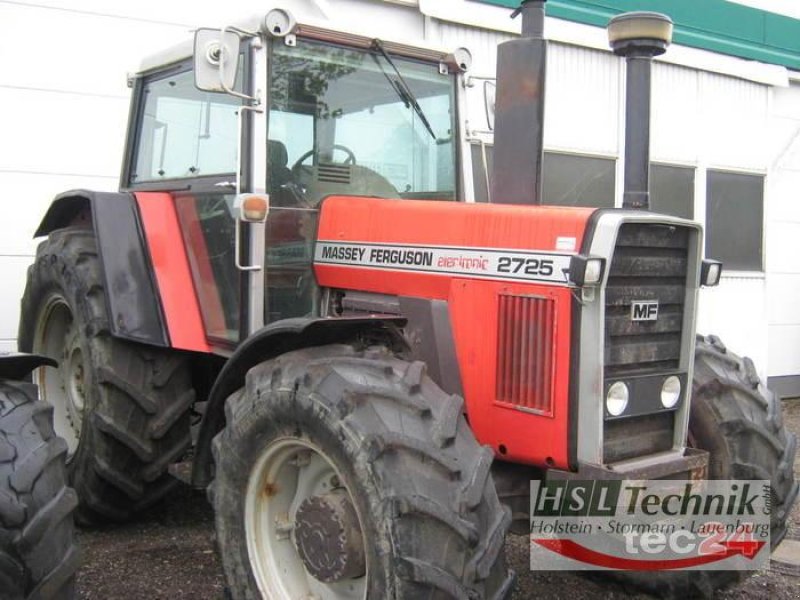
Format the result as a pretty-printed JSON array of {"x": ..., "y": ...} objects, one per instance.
[{"x": 285, "y": 107}]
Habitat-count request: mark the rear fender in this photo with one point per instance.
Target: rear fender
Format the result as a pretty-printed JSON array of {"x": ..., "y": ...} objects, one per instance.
[
  {"x": 272, "y": 341},
  {"x": 132, "y": 301}
]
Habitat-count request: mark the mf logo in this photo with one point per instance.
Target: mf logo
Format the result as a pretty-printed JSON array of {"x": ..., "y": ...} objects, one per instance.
[
  {"x": 644, "y": 310},
  {"x": 555, "y": 498}
]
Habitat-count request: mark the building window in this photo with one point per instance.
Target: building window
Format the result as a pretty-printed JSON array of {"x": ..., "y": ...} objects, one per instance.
[
  {"x": 734, "y": 220},
  {"x": 569, "y": 180},
  {"x": 672, "y": 190}
]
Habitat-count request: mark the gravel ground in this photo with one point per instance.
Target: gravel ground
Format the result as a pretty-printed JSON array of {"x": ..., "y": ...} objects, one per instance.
[{"x": 169, "y": 553}]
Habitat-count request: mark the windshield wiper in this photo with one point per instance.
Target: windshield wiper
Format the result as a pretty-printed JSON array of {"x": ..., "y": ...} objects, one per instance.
[{"x": 401, "y": 87}]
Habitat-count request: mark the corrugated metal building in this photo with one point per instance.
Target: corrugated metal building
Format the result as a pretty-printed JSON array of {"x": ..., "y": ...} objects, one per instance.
[{"x": 726, "y": 127}]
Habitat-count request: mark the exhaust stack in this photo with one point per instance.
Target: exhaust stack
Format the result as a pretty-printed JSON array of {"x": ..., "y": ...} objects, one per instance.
[
  {"x": 519, "y": 111},
  {"x": 638, "y": 36}
]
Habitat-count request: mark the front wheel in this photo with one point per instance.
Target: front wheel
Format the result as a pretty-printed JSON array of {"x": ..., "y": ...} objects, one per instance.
[
  {"x": 738, "y": 421},
  {"x": 349, "y": 474}
]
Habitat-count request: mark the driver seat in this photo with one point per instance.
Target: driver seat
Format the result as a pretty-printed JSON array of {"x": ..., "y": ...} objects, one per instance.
[{"x": 278, "y": 174}]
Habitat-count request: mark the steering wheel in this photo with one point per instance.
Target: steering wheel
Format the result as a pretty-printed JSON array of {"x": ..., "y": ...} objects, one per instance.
[{"x": 350, "y": 160}]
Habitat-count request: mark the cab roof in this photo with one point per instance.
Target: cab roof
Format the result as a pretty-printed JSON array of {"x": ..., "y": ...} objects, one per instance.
[{"x": 314, "y": 20}]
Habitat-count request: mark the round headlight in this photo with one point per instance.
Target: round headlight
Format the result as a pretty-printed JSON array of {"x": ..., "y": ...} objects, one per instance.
[
  {"x": 617, "y": 399},
  {"x": 670, "y": 391}
]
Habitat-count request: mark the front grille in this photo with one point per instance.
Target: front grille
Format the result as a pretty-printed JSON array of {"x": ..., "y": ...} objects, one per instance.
[
  {"x": 637, "y": 436},
  {"x": 649, "y": 263},
  {"x": 525, "y": 347}
]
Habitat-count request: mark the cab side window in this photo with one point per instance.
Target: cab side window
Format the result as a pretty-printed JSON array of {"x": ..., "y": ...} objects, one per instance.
[{"x": 183, "y": 132}]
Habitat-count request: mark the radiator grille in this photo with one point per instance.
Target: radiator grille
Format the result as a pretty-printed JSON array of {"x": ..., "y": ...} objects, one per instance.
[
  {"x": 525, "y": 352},
  {"x": 649, "y": 263}
]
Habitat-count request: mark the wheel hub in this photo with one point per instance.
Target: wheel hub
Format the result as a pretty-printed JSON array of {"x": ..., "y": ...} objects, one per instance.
[
  {"x": 74, "y": 379},
  {"x": 328, "y": 537},
  {"x": 65, "y": 388}
]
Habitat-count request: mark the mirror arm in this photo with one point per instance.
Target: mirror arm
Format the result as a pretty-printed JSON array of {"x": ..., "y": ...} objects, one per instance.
[{"x": 254, "y": 99}]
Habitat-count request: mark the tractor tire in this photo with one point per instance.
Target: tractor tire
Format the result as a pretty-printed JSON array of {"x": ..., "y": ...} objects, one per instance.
[
  {"x": 38, "y": 557},
  {"x": 365, "y": 429},
  {"x": 122, "y": 407},
  {"x": 739, "y": 422}
]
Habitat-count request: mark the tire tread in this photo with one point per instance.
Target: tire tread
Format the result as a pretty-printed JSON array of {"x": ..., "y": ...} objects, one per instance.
[{"x": 38, "y": 555}]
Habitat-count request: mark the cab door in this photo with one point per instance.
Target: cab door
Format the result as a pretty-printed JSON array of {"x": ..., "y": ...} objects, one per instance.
[{"x": 185, "y": 146}]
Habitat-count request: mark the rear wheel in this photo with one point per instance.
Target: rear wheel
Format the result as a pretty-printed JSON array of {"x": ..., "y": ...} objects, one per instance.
[
  {"x": 123, "y": 408},
  {"x": 349, "y": 474},
  {"x": 38, "y": 557}
]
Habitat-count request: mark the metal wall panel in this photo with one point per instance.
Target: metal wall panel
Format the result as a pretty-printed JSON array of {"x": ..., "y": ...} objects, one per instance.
[
  {"x": 675, "y": 116},
  {"x": 784, "y": 341},
  {"x": 783, "y": 233},
  {"x": 736, "y": 311},
  {"x": 583, "y": 90},
  {"x": 733, "y": 120}
]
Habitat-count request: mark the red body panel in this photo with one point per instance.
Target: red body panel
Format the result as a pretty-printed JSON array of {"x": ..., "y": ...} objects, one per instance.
[
  {"x": 516, "y": 434},
  {"x": 173, "y": 277},
  {"x": 205, "y": 286}
]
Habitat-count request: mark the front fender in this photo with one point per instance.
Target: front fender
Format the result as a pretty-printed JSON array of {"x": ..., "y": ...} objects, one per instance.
[{"x": 270, "y": 342}]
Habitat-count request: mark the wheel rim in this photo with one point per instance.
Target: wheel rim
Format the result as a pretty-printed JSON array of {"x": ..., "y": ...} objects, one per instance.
[
  {"x": 64, "y": 387},
  {"x": 289, "y": 473}
]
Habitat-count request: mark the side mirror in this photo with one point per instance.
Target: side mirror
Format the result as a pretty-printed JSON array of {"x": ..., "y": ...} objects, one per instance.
[{"x": 216, "y": 59}]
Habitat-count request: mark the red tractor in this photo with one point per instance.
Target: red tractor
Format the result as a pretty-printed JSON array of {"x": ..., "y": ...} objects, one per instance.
[{"x": 289, "y": 296}]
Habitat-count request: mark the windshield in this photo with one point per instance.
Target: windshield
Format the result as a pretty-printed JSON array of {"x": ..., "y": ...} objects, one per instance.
[{"x": 341, "y": 121}]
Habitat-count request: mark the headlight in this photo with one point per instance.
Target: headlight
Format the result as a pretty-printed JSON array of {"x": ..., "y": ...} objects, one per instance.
[
  {"x": 710, "y": 272},
  {"x": 586, "y": 270},
  {"x": 670, "y": 391},
  {"x": 617, "y": 399}
]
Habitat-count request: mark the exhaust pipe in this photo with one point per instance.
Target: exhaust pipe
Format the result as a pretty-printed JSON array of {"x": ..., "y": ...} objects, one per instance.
[
  {"x": 519, "y": 111},
  {"x": 638, "y": 36}
]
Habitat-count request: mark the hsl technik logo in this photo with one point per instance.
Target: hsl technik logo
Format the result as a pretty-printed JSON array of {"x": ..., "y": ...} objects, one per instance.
[{"x": 649, "y": 525}]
